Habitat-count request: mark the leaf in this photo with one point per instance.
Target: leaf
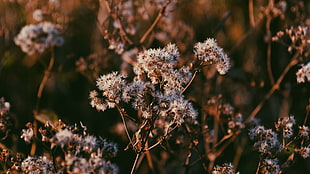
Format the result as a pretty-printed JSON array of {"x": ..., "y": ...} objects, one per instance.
[{"x": 46, "y": 115}]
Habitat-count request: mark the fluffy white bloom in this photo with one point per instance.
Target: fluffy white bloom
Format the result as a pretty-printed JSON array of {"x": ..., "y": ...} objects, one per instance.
[
  {"x": 27, "y": 134},
  {"x": 226, "y": 168},
  {"x": 36, "y": 165},
  {"x": 270, "y": 166},
  {"x": 304, "y": 131},
  {"x": 173, "y": 109},
  {"x": 305, "y": 152},
  {"x": 209, "y": 52},
  {"x": 154, "y": 62},
  {"x": 36, "y": 38},
  {"x": 111, "y": 85},
  {"x": 62, "y": 138},
  {"x": 266, "y": 140},
  {"x": 303, "y": 74},
  {"x": 38, "y": 15},
  {"x": 285, "y": 125}
]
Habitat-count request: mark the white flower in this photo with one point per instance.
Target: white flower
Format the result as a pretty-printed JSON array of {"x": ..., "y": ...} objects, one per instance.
[
  {"x": 62, "y": 138},
  {"x": 27, "y": 134},
  {"x": 38, "y": 15},
  {"x": 209, "y": 52},
  {"x": 37, "y": 38},
  {"x": 36, "y": 165},
  {"x": 303, "y": 74}
]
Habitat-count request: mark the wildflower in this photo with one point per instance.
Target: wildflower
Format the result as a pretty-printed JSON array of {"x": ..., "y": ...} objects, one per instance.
[
  {"x": 36, "y": 165},
  {"x": 226, "y": 168},
  {"x": 304, "y": 131},
  {"x": 175, "y": 80},
  {"x": 270, "y": 166},
  {"x": 37, "y": 38},
  {"x": 266, "y": 140},
  {"x": 62, "y": 138},
  {"x": 136, "y": 92},
  {"x": 155, "y": 62},
  {"x": 303, "y": 74},
  {"x": 111, "y": 86},
  {"x": 38, "y": 15},
  {"x": 27, "y": 134},
  {"x": 285, "y": 125},
  {"x": 174, "y": 109},
  {"x": 209, "y": 52},
  {"x": 304, "y": 152}
]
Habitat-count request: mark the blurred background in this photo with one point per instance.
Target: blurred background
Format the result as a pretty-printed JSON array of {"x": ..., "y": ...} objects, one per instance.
[{"x": 243, "y": 28}]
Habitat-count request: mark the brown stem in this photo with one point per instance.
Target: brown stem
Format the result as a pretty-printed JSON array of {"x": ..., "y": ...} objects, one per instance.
[
  {"x": 251, "y": 13},
  {"x": 124, "y": 123},
  {"x": 45, "y": 78},
  {"x": 268, "y": 37},
  {"x": 159, "y": 16},
  {"x": 135, "y": 163},
  {"x": 273, "y": 89},
  {"x": 190, "y": 82}
]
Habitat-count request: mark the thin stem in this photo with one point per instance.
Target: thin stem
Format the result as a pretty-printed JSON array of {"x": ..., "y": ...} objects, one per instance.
[
  {"x": 150, "y": 161},
  {"x": 190, "y": 82},
  {"x": 124, "y": 123},
  {"x": 135, "y": 163},
  {"x": 45, "y": 78},
  {"x": 159, "y": 16},
  {"x": 251, "y": 13},
  {"x": 275, "y": 87},
  {"x": 258, "y": 166},
  {"x": 307, "y": 114},
  {"x": 268, "y": 33}
]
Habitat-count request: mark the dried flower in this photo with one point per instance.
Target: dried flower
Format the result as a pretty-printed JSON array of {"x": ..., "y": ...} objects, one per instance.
[
  {"x": 38, "y": 15},
  {"x": 266, "y": 140},
  {"x": 36, "y": 165},
  {"x": 303, "y": 74},
  {"x": 304, "y": 152},
  {"x": 270, "y": 166},
  {"x": 209, "y": 52},
  {"x": 285, "y": 125},
  {"x": 27, "y": 134},
  {"x": 36, "y": 38},
  {"x": 226, "y": 168}
]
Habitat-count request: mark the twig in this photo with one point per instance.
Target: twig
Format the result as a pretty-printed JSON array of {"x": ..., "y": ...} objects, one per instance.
[
  {"x": 135, "y": 163},
  {"x": 190, "y": 82},
  {"x": 251, "y": 13},
  {"x": 45, "y": 78},
  {"x": 159, "y": 16},
  {"x": 274, "y": 88},
  {"x": 124, "y": 123},
  {"x": 268, "y": 33}
]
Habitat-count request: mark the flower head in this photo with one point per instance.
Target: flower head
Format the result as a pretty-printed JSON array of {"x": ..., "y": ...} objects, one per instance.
[
  {"x": 303, "y": 74},
  {"x": 36, "y": 38},
  {"x": 209, "y": 52}
]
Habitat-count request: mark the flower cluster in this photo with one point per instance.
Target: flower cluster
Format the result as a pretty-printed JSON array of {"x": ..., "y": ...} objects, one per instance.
[
  {"x": 285, "y": 125},
  {"x": 36, "y": 38},
  {"x": 298, "y": 36},
  {"x": 266, "y": 140},
  {"x": 39, "y": 164},
  {"x": 82, "y": 153},
  {"x": 111, "y": 86},
  {"x": 6, "y": 120},
  {"x": 268, "y": 143},
  {"x": 303, "y": 74},
  {"x": 270, "y": 166},
  {"x": 208, "y": 52},
  {"x": 226, "y": 168},
  {"x": 156, "y": 91}
]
